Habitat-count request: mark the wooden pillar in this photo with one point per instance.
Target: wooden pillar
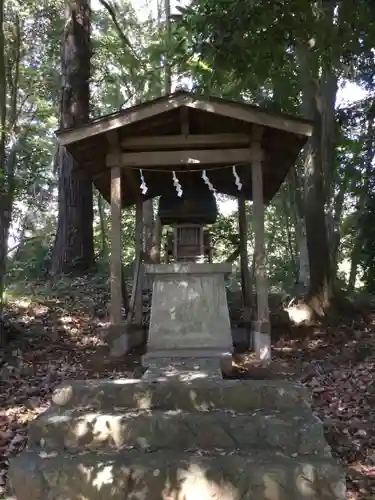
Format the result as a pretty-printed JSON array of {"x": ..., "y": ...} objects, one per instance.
[
  {"x": 261, "y": 334},
  {"x": 138, "y": 270},
  {"x": 244, "y": 260},
  {"x": 116, "y": 268},
  {"x": 156, "y": 240},
  {"x": 148, "y": 224}
]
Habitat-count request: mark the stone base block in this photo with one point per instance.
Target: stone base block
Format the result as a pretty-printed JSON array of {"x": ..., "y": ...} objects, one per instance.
[
  {"x": 241, "y": 396},
  {"x": 176, "y": 476},
  {"x": 194, "y": 353},
  {"x": 185, "y": 369},
  {"x": 74, "y": 430},
  {"x": 189, "y": 307}
]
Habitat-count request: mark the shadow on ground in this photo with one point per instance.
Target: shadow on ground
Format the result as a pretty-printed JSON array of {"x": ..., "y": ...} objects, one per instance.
[{"x": 56, "y": 336}]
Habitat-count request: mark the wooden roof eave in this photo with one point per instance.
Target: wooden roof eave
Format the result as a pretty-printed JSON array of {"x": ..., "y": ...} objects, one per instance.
[{"x": 234, "y": 110}]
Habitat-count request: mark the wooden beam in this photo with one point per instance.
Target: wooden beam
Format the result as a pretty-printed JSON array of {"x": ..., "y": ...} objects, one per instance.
[
  {"x": 185, "y": 141},
  {"x": 262, "y": 337},
  {"x": 155, "y": 123},
  {"x": 113, "y": 140},
  {"x": 125, "y": 117},
  {"x": 189, "y": 157},
  {"x": 136, "y": 114},
  {"x": 250, "y": 114},
  {"x": 116, "y": 268}
]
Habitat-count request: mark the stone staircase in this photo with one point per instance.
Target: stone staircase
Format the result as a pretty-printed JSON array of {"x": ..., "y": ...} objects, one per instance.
[{"x": 181, "y": 435}]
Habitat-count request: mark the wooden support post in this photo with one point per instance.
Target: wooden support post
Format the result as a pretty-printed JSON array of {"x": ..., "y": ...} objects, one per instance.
[
  {"x": 116, "y": 267},
  {"x": 244, "y": 260},
  {"x": 156, "y": 240},
  {"x": 262, "y": 337},
  {"x": 148, "y": 223},
  {"x": 138, "y": 279},
  {"x": 148, "y": 228}
]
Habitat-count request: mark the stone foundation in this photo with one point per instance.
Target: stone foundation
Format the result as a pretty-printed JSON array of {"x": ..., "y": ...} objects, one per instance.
[{"x": 182, "y": 432}]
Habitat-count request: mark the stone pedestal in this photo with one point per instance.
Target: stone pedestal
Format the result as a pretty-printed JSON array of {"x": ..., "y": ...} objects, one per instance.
[{"x": 189, "y": 310}]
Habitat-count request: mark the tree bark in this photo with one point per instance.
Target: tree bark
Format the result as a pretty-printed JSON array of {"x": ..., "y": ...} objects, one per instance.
[
  {"x": 362, "y": 202},
  {"x": 338, "y": 207},
  {"x": 289, "y": 237},
  {"x": 3, "y": 232},
  {"x": 316, "y": 156},
  {"x": 303, "y": 262},
  {"x": 9, "y": 81},
  {"x": 74, "y": 242},
  {"x": 294, "y": 188},
  {"x": 103, "y": 233},
  {"x": 167, "y": 63}
]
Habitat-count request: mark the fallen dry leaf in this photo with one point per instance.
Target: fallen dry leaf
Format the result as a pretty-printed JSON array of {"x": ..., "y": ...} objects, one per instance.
[{"x": 57, "y": 339}]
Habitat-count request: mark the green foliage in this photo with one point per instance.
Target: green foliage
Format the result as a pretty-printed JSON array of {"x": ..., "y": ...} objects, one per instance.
[
  {"x": 224, "y": 236},
  {"x": 33, "y": 262},
  {"x": 241, "y": 50}
]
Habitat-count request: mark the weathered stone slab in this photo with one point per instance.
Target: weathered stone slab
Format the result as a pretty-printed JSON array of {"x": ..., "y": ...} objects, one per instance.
[
  {"x": 242, "y": 396},
  {"x": 175, "y": 476},
  {"x": 183, "y": 370},
  {"x": 189, "y": 307},
  {"x": 76, "y": 430}
]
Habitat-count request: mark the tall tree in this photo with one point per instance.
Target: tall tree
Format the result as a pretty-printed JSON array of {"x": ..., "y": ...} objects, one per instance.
[
  {"x": 3, "y": 232},
  {"x": 308, "y": 44},
  {"x": 74, "y": 247}
]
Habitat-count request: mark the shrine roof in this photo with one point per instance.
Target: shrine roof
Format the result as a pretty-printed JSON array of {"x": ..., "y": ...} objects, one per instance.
[{"x": 186, "y": 134}]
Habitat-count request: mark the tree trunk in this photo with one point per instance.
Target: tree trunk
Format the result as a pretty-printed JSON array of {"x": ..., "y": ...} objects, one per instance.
[
  {"x": 338, "y": 207},
  {"x": 363, "y": 199},
  {"x": 9, "y": 83},
  {"x": 321, "y": 280},
  {"x": 103, "y": 233},
  {"x": 167, "y": 63},
  {"x": 74, "y": 245},
  {"x": 3, "y": 232},
  {"x": 294, "y": 188},
  {"x": 303, "y": 262},
  {"x": 316, "y": 156},
  {"x": 289, "y": 237}
]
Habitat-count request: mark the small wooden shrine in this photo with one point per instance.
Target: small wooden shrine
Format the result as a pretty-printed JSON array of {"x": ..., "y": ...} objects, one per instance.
[
  {"x": 185, "y": 149},
  {"x": 187, "y": 215}
]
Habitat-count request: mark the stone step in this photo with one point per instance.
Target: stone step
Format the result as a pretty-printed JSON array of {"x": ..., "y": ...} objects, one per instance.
[
  {"x": 176, "y": 476},
  {"x": 75, "y": 430},
  {"x": 196, "y": 395}
]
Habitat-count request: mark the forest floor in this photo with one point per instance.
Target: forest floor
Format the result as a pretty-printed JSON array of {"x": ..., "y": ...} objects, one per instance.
[{"x": 55, "y": 329}]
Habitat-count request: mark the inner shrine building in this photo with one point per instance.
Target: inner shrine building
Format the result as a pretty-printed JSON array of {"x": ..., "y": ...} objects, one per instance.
[{"x": 185, "y": 149}]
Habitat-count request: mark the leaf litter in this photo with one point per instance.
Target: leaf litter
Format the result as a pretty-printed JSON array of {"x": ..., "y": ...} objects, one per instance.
[{"x": 57, "y": 339}]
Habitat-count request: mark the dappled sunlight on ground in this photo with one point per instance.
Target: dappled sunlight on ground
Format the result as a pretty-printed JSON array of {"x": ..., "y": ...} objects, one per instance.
[
  {"x": 55, "y": 337},
  {"x": 57, "y": 334}
]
